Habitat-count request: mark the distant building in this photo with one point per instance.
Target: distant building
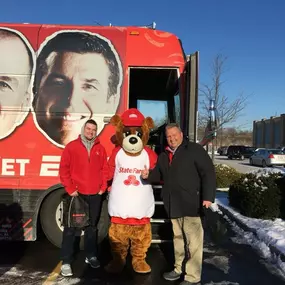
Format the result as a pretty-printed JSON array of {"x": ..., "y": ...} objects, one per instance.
[{"x": 269, "y": 133}]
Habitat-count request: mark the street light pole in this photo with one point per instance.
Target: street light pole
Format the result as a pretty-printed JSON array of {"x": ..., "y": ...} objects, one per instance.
[{"x": 213, "y": 123}]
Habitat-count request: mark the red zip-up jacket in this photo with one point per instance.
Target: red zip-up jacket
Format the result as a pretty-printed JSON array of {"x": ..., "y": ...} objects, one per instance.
[{"x": 79, "y": 172}]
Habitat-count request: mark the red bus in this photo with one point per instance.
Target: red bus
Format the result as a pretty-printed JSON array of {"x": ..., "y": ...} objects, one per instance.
[{"x": 55, "y": 77}]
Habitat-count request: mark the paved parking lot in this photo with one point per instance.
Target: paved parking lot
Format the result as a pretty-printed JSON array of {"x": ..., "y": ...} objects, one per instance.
[
  {"x": 242, "y": 166},
  {"x": 225, "y": 263}
]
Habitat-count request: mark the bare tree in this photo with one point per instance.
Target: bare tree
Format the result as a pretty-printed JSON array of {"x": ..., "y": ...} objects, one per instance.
[{"x": 227, "y": 110}]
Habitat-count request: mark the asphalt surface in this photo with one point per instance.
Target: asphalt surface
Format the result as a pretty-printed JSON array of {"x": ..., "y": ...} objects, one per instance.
[
  {"x": 242, "y": 166},
  {"x": 225, "y": 262}
]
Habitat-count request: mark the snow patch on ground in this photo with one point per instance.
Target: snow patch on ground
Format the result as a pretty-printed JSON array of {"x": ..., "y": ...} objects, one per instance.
[{"x": 267, "y": 233}]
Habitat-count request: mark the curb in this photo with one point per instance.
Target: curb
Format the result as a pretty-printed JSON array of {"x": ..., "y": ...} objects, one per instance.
[{"x": 245, "y": 227}]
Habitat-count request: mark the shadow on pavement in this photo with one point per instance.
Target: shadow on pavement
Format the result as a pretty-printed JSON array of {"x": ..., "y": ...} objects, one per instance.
[
  {"x": 11, "y": 228},
  {"x": 88, "y": 275}
]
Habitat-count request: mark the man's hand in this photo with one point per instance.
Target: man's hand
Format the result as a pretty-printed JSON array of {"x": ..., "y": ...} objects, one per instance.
[
  {"x": 74, "y": 194},
  {"x": 101, "y": 192},
  {"x": 207, "y": 204},
  {"x": 145, "y": 173}
]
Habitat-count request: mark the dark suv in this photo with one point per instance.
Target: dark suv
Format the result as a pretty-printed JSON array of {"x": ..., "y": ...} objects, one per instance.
[{"x": 237, "y": 151}]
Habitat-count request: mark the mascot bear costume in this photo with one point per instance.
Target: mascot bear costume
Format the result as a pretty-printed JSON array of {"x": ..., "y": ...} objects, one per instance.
[{"x": 131, "y": 200}]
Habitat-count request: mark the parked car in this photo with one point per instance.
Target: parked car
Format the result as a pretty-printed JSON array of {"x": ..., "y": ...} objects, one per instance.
[
  {"x": 222, "y": 150},
  {"x": 236, "y": 151},
  {"x": 249, "y": 151},
  {"x": 267, "y": 157}
]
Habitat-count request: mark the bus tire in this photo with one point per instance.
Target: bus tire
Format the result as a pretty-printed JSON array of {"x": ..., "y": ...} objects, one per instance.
[{"x": 50, "y": 226}]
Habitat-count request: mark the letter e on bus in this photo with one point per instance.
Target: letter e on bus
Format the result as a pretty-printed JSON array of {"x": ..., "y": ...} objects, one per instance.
[{"x": 50, "y": 165}]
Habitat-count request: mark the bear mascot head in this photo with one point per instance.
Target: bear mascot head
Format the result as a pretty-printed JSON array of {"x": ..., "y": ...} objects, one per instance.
[
  {"x": 131, "y": 201},
  {"x": 132, "y": 131}
]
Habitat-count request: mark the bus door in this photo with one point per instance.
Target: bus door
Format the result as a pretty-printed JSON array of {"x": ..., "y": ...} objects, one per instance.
[
  {"x": 190, "y": 116},
  {"x": 189, "y": 111},
  {"x": 154, "y": 91}
]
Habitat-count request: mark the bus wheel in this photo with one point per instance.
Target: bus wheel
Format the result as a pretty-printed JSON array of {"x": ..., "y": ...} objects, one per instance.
[{"x": 51, "y": 217}]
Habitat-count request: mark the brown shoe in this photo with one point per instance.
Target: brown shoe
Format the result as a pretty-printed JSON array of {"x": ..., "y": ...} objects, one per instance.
[{"x": 140, "y": 266}]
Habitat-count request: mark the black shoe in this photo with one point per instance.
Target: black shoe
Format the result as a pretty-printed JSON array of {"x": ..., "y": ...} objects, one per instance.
[
  {"x": 93, "y": 262},
  {"x": 171, "y": 276}
]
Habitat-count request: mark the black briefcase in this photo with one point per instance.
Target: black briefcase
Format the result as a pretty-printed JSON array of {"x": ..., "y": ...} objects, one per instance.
[{"x": 75, "y": 211}]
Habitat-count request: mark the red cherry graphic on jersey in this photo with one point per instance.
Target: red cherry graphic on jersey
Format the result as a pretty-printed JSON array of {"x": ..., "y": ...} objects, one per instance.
[
  {"x": 127, "y": 182},
  {"x": 136, "y": 183},
  {"x": 132, "y": 178}
]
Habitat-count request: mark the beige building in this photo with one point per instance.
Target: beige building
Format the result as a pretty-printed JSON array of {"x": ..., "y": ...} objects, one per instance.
[{"x": 269, "y": 133}]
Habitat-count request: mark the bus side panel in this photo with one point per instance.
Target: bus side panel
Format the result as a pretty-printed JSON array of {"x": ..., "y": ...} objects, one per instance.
[
  {"x": 18, "y": 214},
  {"x": 17, "y": 132},
  {"x": 29, "y": 152},
  {"x": 154, "y": 48},
  {"x": 29, "y": 155}
]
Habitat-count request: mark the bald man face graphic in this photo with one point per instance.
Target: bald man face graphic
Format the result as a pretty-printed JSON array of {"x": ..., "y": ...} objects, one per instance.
[{"x": 15, "y": 75}]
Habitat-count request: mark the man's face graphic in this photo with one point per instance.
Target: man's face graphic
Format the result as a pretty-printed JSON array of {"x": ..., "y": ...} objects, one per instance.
[
  {"x": 15, "y": 74},
  {"x": 73, "y": 90}
]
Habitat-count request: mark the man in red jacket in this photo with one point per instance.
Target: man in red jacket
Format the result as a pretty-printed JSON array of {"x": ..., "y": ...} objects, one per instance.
[{"x": 83, "y": 169}]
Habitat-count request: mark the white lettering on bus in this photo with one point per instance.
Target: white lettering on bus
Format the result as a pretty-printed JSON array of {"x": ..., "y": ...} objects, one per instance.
[
  {"x": 9, "y": 163},
  {"x": 7, "y": 166},
  {"x": 22, "y": 163},
  {"x": 50, "y": 165}
]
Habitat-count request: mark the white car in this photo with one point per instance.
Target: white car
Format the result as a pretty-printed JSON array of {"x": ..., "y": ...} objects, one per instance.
[{"x": 267, "y": 157}]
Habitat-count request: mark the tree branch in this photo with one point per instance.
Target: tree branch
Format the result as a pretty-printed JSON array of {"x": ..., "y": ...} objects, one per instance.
[{"x": 227, "y": 110}]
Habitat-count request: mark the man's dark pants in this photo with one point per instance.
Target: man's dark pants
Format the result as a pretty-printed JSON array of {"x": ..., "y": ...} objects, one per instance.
[{"x": 90, "y": 233}]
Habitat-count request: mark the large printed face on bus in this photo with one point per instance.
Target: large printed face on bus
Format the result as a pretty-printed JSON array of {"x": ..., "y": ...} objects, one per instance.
[
  {"x": 16, "y": 64},
  {"x": 78, "y": 77}
]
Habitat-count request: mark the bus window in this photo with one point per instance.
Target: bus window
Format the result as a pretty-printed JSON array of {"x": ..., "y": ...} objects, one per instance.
[
  {"x": 152, "y": 91},
  {"x": 153, "y": 84},
  {"x": 154, "y": 109}
]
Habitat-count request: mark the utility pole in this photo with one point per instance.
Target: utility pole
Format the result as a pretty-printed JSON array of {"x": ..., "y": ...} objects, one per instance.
[{"x": 213, "y": 124}]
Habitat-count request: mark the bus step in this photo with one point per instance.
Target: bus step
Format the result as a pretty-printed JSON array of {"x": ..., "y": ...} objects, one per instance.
[
  {"x": 156, "y": 238},
  {"x": 158, "y": 241},
  {"x": 160, "y": 221}
]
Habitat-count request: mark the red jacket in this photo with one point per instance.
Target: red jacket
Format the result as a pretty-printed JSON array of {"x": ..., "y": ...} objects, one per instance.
[{"x": 79, "y": 172}]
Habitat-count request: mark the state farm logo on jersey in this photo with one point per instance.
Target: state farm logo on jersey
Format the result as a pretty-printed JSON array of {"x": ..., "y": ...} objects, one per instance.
[
  {"x": 132, "y": 180},
  {"x": 130, "y": 170}
]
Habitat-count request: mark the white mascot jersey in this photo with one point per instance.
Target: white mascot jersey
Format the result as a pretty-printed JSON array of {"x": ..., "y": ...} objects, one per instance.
[{"x": 131, "y": 196}]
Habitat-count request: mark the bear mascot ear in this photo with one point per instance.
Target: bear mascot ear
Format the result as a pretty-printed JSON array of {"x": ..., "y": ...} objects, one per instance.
[
  {"x": 116, "y": 121},
  {"x": 147, "y": 125}
]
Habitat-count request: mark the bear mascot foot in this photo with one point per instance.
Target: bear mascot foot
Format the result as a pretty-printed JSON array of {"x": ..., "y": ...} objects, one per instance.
[
  {"x": 140, "y": 266},
  {"x": 115, "y": 266}
]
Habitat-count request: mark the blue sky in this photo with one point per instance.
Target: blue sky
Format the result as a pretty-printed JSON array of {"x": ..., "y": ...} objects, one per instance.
[{"x": 250, "y": 33}]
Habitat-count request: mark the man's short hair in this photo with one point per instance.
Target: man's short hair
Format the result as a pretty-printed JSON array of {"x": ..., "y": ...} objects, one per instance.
[
  {"x": 79, "y": 42},
  {"x": 91, "y": 121},
  {"x": 172, "y": 125},
  {"x": 6, "y": 34}
]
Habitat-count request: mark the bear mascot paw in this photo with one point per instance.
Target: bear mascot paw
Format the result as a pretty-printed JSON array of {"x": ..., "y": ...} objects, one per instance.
[{"x": 131, "y": 200}]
